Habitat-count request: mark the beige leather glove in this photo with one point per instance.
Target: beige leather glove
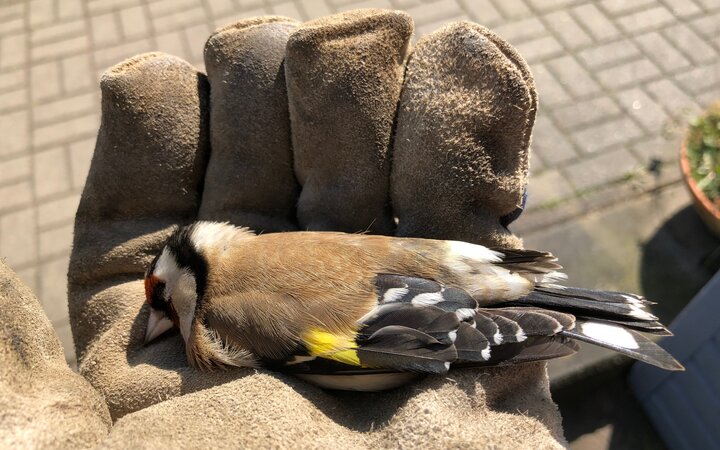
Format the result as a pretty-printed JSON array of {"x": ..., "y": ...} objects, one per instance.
[
  {"x": 43, "y": 404},
  {"x": 333, "y": 124}
]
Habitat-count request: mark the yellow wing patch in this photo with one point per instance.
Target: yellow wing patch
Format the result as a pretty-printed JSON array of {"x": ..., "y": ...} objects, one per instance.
[{"x": 338, "y": 347}]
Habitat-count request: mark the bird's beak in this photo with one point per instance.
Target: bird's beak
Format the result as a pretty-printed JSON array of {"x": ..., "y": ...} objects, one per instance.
[{"x": 157, "y": 325}]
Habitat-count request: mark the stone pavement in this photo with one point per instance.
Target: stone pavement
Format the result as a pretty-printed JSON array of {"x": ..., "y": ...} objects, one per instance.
[{"x": 614, "y": 76}]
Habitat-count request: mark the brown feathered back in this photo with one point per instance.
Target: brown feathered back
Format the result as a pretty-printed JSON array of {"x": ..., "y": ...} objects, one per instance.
[{"x": 308, "y": 280}]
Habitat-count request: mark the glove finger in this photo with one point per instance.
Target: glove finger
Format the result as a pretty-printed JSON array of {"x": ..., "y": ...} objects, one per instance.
[
  {"x": 43, "y": 402},
  {"x": 344, "y": 74},
  {"x": 250, "y": 179},
  {"x": 463, "y": 131},
  {"x": 144, "y": 178}
]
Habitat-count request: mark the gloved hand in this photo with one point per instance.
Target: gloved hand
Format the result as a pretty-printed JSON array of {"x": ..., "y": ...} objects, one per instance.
[
  {"x": 329, "y": 125},
  {"x": 43, "y": 404}
]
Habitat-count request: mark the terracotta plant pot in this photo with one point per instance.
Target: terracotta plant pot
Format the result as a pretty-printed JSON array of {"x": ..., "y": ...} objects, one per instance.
[{"x": 707, "y": 210}]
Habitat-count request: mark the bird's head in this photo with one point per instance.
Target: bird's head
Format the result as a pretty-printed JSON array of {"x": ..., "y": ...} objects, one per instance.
[{"x": 174, "y": 282}]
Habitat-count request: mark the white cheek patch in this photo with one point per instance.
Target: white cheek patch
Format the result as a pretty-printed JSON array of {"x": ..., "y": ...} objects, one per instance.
[
  {"x": 180, "y": 287},
  {"x": 609, "y": 333},
  {"x": 166, "y": 266}
]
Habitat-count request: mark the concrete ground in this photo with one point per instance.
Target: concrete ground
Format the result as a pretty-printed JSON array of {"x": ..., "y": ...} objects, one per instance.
[
  {"x": 651, "y": 242},
  {"x": 617, "y": 80}
]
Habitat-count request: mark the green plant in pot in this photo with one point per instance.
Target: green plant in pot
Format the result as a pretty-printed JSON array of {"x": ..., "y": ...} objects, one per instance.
[{"x": 700, "y": 161}]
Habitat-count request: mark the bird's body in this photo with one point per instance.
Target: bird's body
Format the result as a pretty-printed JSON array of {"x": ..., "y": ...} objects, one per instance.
[{"x": 326, "y": 304}]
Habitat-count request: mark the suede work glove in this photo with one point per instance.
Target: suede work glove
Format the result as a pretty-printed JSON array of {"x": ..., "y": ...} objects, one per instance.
[
  {"x": 43, "y": 404},
  {"x": 333, "y": 124}
]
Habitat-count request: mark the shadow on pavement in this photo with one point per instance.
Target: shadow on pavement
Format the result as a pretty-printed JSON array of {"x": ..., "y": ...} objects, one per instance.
[
  {"x": 677, "y": 262},
  {"x": 600, "y": 411},
  {"x": 607, "y": 416}
]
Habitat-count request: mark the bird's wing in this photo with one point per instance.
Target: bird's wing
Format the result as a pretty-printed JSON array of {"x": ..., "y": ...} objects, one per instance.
[
  {"x": 419, "y": 325},
  {"x": 423, "y": 326}
]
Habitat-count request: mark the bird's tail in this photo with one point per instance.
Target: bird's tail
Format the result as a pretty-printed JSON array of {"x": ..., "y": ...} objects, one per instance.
[{"x": 612, "y": 320}]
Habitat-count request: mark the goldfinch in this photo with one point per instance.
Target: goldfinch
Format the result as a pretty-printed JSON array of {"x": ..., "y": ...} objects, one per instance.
[{"x": 364, "y": 312}]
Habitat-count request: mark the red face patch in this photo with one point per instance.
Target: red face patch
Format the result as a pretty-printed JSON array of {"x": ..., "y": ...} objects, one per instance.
[{"x": 150, "y": 283}]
